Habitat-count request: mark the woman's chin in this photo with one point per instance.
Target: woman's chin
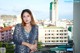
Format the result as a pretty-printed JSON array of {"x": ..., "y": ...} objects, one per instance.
[{"x": 27, "y": 22}]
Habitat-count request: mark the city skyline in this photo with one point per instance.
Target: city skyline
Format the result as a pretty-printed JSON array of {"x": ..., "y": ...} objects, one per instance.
[{"x": 39, "y": 8}]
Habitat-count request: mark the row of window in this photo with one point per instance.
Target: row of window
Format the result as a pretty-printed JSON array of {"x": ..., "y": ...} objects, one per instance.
[
  {"x": 6, "y": 31},
  {"x": 57, "y": 34},
  {"x": 56, "y": 30},
  {"x": 6, "y": 34},
  {"x": 4, "y": 38},
  {"x": 57, "y": 41},
  {"x": 56, "y": 37}
]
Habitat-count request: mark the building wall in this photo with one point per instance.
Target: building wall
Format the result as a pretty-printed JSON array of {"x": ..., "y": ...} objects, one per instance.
[
  {"x": 53, "y": 36},
  {"x": 6, "y": 35},
  {"x": 76, "y": 26},
  {"x": 41, "y": 34}
]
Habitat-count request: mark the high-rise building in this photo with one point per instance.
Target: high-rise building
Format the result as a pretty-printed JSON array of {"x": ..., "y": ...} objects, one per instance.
[
  {"x": 54, "y": 11},
  {"x": 51, "y": 11}
]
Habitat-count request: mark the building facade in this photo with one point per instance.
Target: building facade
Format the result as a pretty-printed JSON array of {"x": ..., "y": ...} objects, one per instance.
[
  {"x": 53, "y": 35},
  {"x": 5, "y": 33}
]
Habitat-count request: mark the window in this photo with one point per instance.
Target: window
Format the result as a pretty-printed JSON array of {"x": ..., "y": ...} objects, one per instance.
[
  {"x": 45, "y": 34},
  {"x": 45, "y": 41},
  {"x": 10, "y": 33},
  {"x": 9, "y": 30},
  {"x": 2, "y": 34},
  {"x": 52, "y": 34},
  {"x": 47, "y": 37},
  {"x": 57, "y": 37},
  {"x": 48, "y": 34},
  {"x": 65, "y": 34},
  {"x": 57, "y": 41},
  {"x": 2, "y": 37},
  {"x": 61, "y": 40},
  {"x": 61, "y": 37},
  {"x": 65, "y": 30},
  {"x": 48, "y": 41},
  {"x": 57, "y": 34},
  {"x": 49, "y": 30},
  {"x": 61, "y": 34},
  {"x": 65, "y": 40},
  {"x": 65, "y": 37},
  {"x": 53, "y": 41},
  {"x": 53, "y": 37},
  {"x": 61, "y": 30}
]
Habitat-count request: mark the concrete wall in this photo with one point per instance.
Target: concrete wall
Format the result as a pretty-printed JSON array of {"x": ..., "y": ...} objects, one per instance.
[{"x": 76, "y": 26}]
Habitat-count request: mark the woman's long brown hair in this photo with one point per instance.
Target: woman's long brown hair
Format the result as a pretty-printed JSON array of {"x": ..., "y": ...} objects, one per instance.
[{"x": 32, "y": 19}]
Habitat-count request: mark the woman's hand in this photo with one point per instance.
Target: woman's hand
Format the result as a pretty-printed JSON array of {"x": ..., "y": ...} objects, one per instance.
[
  {"x": 31, "y": 51},
  {"x": 35, "y": 48}
]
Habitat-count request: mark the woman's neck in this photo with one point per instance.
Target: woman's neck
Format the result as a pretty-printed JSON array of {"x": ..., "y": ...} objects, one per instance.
[{"x": 28, "y": 25}]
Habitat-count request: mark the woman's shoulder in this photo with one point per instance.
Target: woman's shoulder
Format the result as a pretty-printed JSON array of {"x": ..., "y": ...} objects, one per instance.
[
  {"x": 18, "y": 25},
  {"x": 36, "y": 26}
]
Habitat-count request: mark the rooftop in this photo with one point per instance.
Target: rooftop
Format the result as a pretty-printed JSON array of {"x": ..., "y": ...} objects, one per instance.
[
  {"x": 53, "y": 27},
  {"x": 6, "y": 28}
]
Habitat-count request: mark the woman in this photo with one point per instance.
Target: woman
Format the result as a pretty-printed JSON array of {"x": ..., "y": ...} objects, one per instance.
[{"x": 25, "y": 35}]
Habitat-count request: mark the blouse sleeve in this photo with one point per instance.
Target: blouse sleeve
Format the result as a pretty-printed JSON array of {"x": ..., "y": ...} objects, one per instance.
[
  {"x": 16, "y": 39},
  {"x": 36, "y": 33}
]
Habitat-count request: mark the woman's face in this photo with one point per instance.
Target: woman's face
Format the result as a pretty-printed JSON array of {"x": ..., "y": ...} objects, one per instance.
[{"x": 26, "y": 17}]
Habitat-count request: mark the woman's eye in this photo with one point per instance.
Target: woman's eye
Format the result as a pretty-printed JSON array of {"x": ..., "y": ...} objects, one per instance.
[
  {"x": 27, "y": 15},
  {"x": 23, "y": 16}
]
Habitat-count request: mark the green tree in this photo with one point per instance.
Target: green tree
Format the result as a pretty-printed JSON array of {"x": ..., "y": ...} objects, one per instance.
[
  {"x": 39, "y": 45},
  {"x": 70, "y": 29},
  {"x": 9, "y": 48},
  {"x": 4, "y": 24},
  {"x": 1, "y": 44}
]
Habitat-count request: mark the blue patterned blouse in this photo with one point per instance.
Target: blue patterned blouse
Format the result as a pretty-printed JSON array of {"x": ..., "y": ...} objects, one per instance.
[{"x": 20, "y": 35}]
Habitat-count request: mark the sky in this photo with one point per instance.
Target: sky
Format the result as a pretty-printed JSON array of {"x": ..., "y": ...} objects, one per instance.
[
  {"x": 39, "y": 8},
  {"x": 66, "y": 9}
]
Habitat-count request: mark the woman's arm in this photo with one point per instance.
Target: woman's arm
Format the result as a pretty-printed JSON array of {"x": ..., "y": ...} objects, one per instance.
[
  {"x": 16, "y": 39},
  {"x": 16, "y": 36},
  {"x": 26, "y": 44},
  {"x": 36, "y": 35},
  {"x": 36, "y": 39},
  {"x": 31, "y": 46}
]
